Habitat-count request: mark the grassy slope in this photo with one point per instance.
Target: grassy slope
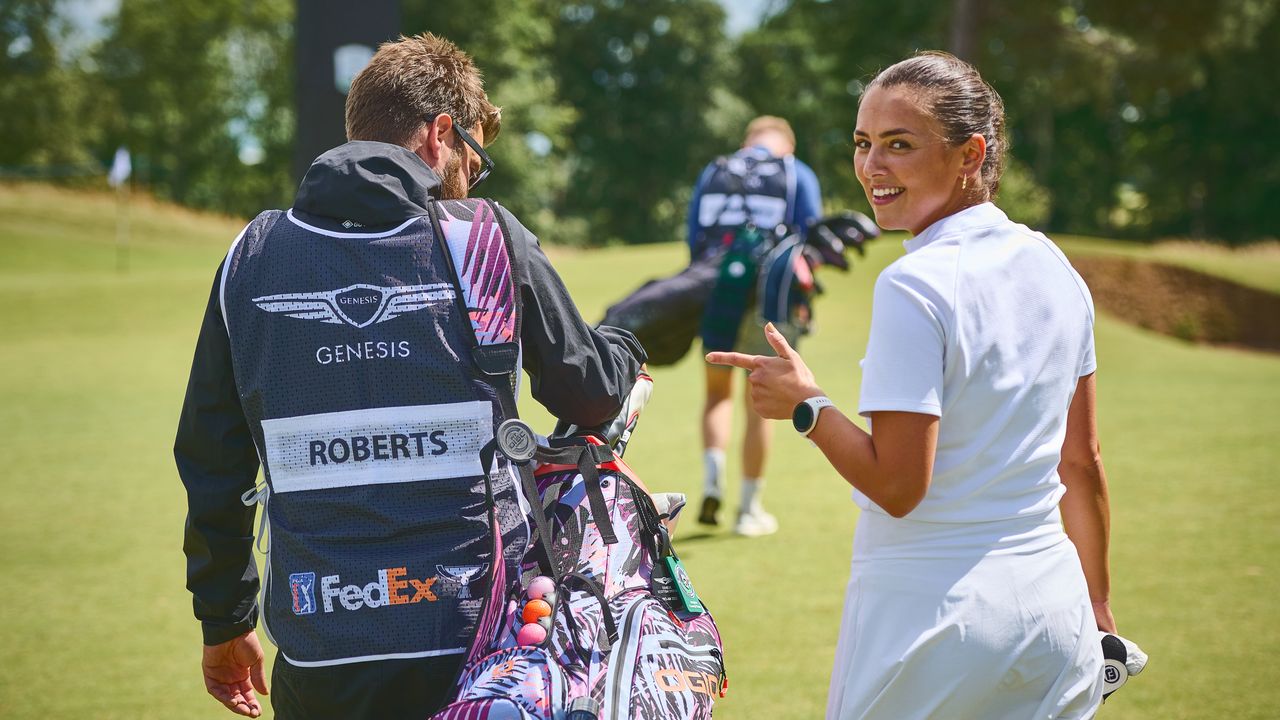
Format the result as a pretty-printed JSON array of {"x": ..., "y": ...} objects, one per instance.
[
  {"x": 1255, "y": 265},
  {"x": 97, "y": 624}
]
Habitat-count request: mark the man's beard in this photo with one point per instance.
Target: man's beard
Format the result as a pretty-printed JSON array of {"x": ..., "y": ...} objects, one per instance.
[{"x": 451, "y": 187}]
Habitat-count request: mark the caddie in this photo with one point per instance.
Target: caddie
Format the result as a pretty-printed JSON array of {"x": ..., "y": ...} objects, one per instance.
[{"x": 341, "y": 350}]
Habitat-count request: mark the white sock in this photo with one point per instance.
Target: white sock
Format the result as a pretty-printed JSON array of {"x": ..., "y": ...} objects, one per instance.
[
  {"x": 713, "y": 472},
  {"x": 751, "y": 489}
]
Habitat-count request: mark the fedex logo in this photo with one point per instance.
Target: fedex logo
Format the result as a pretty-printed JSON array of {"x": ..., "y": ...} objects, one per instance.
[{"x": 391, "y": 588}]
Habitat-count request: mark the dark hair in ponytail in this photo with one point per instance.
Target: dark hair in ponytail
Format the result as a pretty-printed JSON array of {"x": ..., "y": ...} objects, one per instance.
[{"x": 957, "y": 97}]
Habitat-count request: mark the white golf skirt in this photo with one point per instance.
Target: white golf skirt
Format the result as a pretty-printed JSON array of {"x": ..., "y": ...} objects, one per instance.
[{"x": 979, "y": 621}]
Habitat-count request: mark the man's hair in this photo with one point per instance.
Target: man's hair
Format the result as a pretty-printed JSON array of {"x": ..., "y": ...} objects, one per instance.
[
  {"x": 770, "y": 123},
  {"x": 412, "y": 80}
]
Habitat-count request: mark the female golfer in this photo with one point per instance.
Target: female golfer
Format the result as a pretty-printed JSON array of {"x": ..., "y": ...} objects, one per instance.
[{"x": 967, "y": 599}]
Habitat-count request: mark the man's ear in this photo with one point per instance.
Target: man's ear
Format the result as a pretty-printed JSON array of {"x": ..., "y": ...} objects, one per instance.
[{"x": 429, "y": 144}]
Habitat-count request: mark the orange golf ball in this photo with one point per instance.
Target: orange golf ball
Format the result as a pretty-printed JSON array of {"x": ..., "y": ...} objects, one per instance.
[{"x": 535, "y": 609}]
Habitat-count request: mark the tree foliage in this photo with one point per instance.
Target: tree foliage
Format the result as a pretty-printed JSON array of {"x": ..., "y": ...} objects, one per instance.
[
  {"x": 510, "y": 41},
  {"x": 1141, "y": 118},
  {"x": 193, "y": 82},
  {"x": 46, "y": 102},
  {"x": 648, "y": 80}
]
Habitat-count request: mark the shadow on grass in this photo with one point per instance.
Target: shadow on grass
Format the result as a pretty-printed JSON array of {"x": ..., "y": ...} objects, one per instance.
[{"x": 706, "y": 538}]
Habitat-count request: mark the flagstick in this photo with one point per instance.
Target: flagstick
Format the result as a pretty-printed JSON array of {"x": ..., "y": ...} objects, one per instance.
[{"x": 122, "y": 227}]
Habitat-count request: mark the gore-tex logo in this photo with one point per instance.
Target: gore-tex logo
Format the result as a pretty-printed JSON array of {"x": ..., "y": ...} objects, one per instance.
[{"x": 357, "y": 305}]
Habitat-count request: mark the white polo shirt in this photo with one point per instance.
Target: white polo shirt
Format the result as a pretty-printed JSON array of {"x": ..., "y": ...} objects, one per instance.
[{"x": 985, "y": 324}]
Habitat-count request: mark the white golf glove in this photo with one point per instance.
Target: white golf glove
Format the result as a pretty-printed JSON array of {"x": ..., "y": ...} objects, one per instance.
[{"x": 1121, "y": 658}]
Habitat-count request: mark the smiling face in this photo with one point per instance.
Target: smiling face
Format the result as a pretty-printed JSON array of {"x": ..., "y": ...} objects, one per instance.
[{"x": 911, "y": 175}]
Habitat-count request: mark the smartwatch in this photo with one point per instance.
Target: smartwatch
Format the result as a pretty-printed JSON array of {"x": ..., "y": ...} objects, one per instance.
[{"x": 805, "y": 416}]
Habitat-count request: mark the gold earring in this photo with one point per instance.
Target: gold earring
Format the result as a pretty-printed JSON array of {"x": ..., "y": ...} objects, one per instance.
[{"x": 964, "y": 182}]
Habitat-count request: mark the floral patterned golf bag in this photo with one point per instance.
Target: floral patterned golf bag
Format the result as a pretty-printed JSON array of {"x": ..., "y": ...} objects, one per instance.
[{"x": 628, "y": 637}]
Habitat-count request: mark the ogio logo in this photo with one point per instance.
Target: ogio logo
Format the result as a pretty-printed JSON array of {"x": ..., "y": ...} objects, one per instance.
[
  {"x": 675, "y": 681},
  {"x": 357, "y": 305},
  {"x": 391, "y": 588}
]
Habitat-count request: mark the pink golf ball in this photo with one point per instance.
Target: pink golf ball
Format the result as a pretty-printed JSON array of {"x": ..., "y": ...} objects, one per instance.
[
  {"x": 531, "y": 634},
  {"x": 540, "y": 586}
]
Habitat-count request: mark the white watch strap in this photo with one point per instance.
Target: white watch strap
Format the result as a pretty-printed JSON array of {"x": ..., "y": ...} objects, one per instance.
[{"x": 816, "y": 404}]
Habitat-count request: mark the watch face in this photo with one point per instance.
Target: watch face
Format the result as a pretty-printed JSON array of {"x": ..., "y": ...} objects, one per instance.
[{"x": 802, "y": 417}]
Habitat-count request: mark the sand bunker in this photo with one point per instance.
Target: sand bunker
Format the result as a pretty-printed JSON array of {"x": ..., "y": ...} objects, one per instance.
[{"x": 1183, "y": 303}]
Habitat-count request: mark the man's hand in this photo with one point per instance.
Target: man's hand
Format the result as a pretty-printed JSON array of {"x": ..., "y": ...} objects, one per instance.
[
  {"x": 779, "y": 383},
  {"x": 233, "y": 670}
]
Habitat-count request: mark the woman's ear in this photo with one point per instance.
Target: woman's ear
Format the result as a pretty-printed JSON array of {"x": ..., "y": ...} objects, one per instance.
[{"x": 975, "y": 153}]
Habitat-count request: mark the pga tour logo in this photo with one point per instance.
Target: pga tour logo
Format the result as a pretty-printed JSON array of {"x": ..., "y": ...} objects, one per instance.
[{"x": 303, "y": 588}]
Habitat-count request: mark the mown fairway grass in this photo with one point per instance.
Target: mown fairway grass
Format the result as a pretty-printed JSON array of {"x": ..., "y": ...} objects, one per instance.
[{"x": 96, "y": 624}]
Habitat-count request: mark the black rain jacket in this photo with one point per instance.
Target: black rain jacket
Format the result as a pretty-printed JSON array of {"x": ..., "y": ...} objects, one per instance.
[{"x": 579, "y": 373}]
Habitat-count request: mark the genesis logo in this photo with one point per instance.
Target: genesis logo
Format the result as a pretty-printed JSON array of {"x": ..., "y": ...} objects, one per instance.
[
  {"x": 463, "y": 575},
  {"x": 357, "y": 305}
]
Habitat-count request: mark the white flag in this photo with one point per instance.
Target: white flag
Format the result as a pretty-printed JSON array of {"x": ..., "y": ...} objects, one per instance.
[{"x": 121, "y": 168}]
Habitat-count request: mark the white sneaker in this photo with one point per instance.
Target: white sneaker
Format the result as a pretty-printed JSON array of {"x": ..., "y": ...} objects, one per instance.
[{"x": 755, "y": 523}]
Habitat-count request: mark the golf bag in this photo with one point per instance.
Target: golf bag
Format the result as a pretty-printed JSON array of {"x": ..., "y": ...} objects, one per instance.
[
  {"x": 666, "y": 314},
  {"x": 788, "y": 284},
  {"x": 627, "y": 637}
]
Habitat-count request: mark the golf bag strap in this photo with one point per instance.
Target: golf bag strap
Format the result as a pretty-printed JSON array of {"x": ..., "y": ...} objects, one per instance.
[
  {"x": 481, "y": 263},
  {"x": 493, "y": 308},
  {"x": 592, "y": 587},
  {"x": 585, "y": 458},
  {"x": 546, "y": 561}
]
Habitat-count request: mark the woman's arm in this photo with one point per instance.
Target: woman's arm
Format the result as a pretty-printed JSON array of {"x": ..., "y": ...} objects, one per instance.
[
  {"x": 892, "y": 466},
  {"x": 1086, "y": 508}
]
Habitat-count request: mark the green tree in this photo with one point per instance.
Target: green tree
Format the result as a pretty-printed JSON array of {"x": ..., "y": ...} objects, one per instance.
[
  {"x": 510, "y": 42},
  {"x": 192, "y": 83},
  {"x": 1202, "y": 156},
  {"x": 1140, "y": 118},
  {"x": 649, "y": 80},
  {"x": 47, "y": 121},
  {"x": 810, "y": 62}
]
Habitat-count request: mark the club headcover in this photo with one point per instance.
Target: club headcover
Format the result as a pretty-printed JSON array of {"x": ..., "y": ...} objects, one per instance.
[
  {"x": 669, "y": 506},
  {"x": 831, "y": 236},
  {"x": 1121, "y": 659}
]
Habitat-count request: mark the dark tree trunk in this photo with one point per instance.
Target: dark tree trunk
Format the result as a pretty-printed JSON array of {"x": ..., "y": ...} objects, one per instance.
[
  {"x": 964, "y": 29},
  {"x": 321, "y": 28}
]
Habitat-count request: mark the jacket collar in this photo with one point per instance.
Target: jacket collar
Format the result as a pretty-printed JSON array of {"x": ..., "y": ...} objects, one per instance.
[{"x": 371, "y": 183}]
